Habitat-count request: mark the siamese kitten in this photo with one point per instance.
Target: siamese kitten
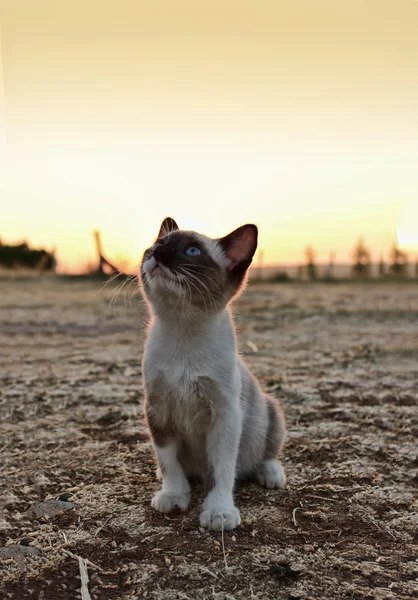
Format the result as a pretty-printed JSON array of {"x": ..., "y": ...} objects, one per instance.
[{"x": 205, "y": 411}]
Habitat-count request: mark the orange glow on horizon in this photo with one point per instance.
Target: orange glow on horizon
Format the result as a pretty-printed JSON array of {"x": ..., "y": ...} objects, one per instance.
[{"x": 299, "y": 117}]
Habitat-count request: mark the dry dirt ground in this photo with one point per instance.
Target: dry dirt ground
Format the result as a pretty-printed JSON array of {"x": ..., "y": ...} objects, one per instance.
[{"x": 343, "y": 359}]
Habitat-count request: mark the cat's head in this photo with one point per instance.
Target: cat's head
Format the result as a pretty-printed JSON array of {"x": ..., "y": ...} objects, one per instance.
[{"x": 185, "y": 269}]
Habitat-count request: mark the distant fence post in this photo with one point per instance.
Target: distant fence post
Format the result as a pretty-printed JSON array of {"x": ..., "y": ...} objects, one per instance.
[
  {"x": 98, "y": 242},
  {"x": 260, "y": 265},
  {"x": 103, "y": 262},
  {"x": 310, "y": 264},
  {"x": 330, "y": 269},
  {"x": 382, "y": 266}
]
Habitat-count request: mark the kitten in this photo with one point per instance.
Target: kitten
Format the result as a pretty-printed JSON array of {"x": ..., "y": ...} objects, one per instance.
[{"x": 205, "y": 411}]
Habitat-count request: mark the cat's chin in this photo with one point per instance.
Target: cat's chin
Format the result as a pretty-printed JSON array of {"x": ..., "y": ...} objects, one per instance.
[
  {"x": 159, "y": 273},
  {"x": 161, "y": 281}
]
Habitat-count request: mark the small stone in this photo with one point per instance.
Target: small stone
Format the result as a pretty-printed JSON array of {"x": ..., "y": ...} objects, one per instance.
[
  {"x": 18, "y": 554},
  {"x": 49, "y": 508},
  {"x": 64, "y": 497},
  {"x": 25, "y": 541}
]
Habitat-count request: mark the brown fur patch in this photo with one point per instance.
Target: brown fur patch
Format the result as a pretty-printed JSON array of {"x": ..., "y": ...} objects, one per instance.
[
  {"x": 159, "y": 423},
  {"x": 160, "y": 434},
  {"x": 276, "y": 430},
  {"x": 170, "y": 416},
  {"x": 210, "y": 481}
]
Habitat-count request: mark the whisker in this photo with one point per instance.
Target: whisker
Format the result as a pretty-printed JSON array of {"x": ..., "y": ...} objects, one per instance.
[
  {"x": 124, "y": 288},
  {"x": 197, "y": 288},
  {"x": 128, "y": 288},
  {"x": 181, "y": 278},
  {"x": 184, "y": 279},
  {"x": 135, "y": 285},
  {"x": 196, "y": 278},
  {"x": 115, "y": 294},
  {"x": 117, "y": 273},
  {"x": 199, "y": 291},
  {"x": 216, "y": 285}
]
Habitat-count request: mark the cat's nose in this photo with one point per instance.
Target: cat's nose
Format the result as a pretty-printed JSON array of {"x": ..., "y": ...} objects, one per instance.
[{"x": 164, "y": 255}]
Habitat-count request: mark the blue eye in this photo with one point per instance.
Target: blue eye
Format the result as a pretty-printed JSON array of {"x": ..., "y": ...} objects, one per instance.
[{"x": 193, "y": 251}]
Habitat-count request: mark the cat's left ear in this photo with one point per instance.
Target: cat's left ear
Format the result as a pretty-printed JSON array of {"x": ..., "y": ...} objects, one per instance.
[
  {"x": 239, "y": 247},
  {"x": 167, "y": 226}
]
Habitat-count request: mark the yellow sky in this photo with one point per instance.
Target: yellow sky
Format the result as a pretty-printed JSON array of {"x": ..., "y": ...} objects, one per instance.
[{"x": 300, "y": 116}]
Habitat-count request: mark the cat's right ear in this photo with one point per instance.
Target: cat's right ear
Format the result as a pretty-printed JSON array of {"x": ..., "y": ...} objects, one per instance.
[{"x": 167, "y": 226}]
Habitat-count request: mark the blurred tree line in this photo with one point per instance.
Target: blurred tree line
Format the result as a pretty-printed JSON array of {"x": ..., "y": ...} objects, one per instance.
[
  {"x": 22, "y": 256},
  {"x": 362, "y": 263},
  {"x": 398, "y": 261}
]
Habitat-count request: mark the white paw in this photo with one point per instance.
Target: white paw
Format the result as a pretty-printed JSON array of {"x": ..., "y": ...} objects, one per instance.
[
  {"x": 220, "y": 517},
  {"x": 271, "y": 475},
  {"x": 166, "y": 502}
]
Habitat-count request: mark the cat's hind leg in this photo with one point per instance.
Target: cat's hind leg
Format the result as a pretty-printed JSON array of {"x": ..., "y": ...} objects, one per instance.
[{"x": 269, "y": 472}]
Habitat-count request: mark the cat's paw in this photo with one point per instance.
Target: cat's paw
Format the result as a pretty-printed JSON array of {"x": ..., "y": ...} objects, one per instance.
[
  {"x": 166, "y": 502},
  {"x": 219, "y": 517},
  {"x": 270, "y": 474},
  {"x": 159, "y": 474}
]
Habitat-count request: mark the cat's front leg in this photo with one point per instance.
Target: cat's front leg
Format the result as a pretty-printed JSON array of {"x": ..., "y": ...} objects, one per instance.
[
  {"x": 219, "y": 510},
  {"x": 175, "y": 489}
]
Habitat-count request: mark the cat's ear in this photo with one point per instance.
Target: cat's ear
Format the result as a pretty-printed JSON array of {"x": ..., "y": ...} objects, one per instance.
[
  {"x": 167, "y": 226},
  {"x": 239, "y": 247}
]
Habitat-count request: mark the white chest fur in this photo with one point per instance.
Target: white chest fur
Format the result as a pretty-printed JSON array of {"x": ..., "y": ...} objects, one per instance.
[{"x": 181, "y": 355}]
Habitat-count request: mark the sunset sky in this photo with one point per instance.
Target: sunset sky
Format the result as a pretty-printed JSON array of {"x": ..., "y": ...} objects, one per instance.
[{"x": 300, "y": 116}]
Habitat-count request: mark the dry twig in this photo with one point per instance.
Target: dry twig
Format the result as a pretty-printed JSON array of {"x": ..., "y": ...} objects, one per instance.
[
  {"x": 223, "y": 549},
  {"x": 85, "y": 594}
]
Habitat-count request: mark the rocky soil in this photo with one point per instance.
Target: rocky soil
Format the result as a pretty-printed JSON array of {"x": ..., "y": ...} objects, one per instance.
[{"x": 77, "y": 472}]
